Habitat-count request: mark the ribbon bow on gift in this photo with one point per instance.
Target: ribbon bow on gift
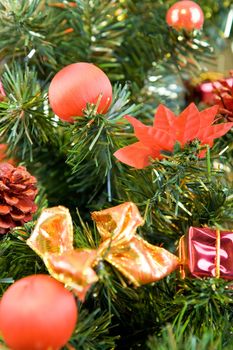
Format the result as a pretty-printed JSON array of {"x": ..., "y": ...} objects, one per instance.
[{"x": 139, "y": 261}]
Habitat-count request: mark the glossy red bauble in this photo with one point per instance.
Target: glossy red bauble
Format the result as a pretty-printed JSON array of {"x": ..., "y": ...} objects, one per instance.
[
  {"x": 76, "y": 85},
  {"x": 185, "y": 15},
  {"x": 37, "y": 313}
]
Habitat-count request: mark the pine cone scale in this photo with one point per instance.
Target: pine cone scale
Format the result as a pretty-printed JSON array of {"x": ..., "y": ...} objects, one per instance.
[
  {"x": 10, "y": 200},
  {"x": 30, "y": 193},
  {"x": 27, "y": 218},
  {"x": 17, "y": 217},
  {"x": 6, "y": 223},
  {"x": 4, "y": 209},
  {"x": 3, "y": 187},
  {"x": 18, "y": 187},
  {"x": 25, "y": 205}
]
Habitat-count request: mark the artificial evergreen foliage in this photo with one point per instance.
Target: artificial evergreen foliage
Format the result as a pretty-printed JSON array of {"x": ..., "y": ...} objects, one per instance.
[{"x": 148, "y": 63}]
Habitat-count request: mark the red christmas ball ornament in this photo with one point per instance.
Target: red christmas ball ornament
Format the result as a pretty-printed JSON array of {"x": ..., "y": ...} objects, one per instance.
[
  {"x": 37, "y": 313},
  {"x": 76, "y": 85},
  {"x": 185, "y": 15}
]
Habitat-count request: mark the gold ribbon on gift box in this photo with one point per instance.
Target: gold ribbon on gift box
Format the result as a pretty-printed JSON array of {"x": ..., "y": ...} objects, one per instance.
[
  {"x": 217, "y": 258},
  {"x": 139, "y": 261}
]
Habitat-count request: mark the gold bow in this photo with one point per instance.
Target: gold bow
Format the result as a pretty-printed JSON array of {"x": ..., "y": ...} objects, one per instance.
[{"x": 139, "y": 261}]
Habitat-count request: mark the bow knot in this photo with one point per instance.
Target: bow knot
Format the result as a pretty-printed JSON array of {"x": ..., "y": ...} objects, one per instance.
[{"x": 139, "y": 261}]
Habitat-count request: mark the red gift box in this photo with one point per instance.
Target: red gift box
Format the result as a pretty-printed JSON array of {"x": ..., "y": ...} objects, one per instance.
[{"x": 207, "y": 252}]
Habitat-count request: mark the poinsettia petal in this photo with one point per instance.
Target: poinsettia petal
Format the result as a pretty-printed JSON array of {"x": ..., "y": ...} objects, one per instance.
[
  {"x": 208, "y": 115},
  {"x": 137, "y": 124},
  {"x": 214, "y": 132},
  {"x": 136, "y": 155},
  {"x": 206, "y": 120},
  {"x": 164, "y": 119},
  {"x": 202, "y": 153},
  {"x": 143, "y": 132},
  {"x": 163, "y": 140},
  {"x": 151, "y": 137},
  {"x": 188, "y": 124}
]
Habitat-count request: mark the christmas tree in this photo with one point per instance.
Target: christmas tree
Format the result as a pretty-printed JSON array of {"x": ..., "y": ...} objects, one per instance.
[{"x": 116, "y": 174}]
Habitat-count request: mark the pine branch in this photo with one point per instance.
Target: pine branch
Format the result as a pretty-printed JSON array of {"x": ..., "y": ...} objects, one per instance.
[
  {"x": 17, "y": 260},
  {"x": 210, "y": 340},
  {"x": 24, "y": 122},
  {"x": 174, "y": 194},
  {"x": 97, "y": 31},
  {"x": 93, "y": 139},
  {"x": 92, "y": 331},
  {"x": 35, "y": 29},
  {"x": 199, "y": 305},
  {"x": 128, "y": 39},
  {"x": 149, "y": 37},
  {"x": 84, "y": 237},
  {"x": 15, "y": 255},
  {"x": 41, "y": 201},
  {"x": 53, "y": 173},
  {"x": 138, "y": 312}
]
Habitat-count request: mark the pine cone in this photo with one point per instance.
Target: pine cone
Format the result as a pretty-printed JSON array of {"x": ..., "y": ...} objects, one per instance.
[{"x": 17, "y": 194}]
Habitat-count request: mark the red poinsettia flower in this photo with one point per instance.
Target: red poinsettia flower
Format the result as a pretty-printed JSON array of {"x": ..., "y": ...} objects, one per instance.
[{"x": 169, "y": 129}]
